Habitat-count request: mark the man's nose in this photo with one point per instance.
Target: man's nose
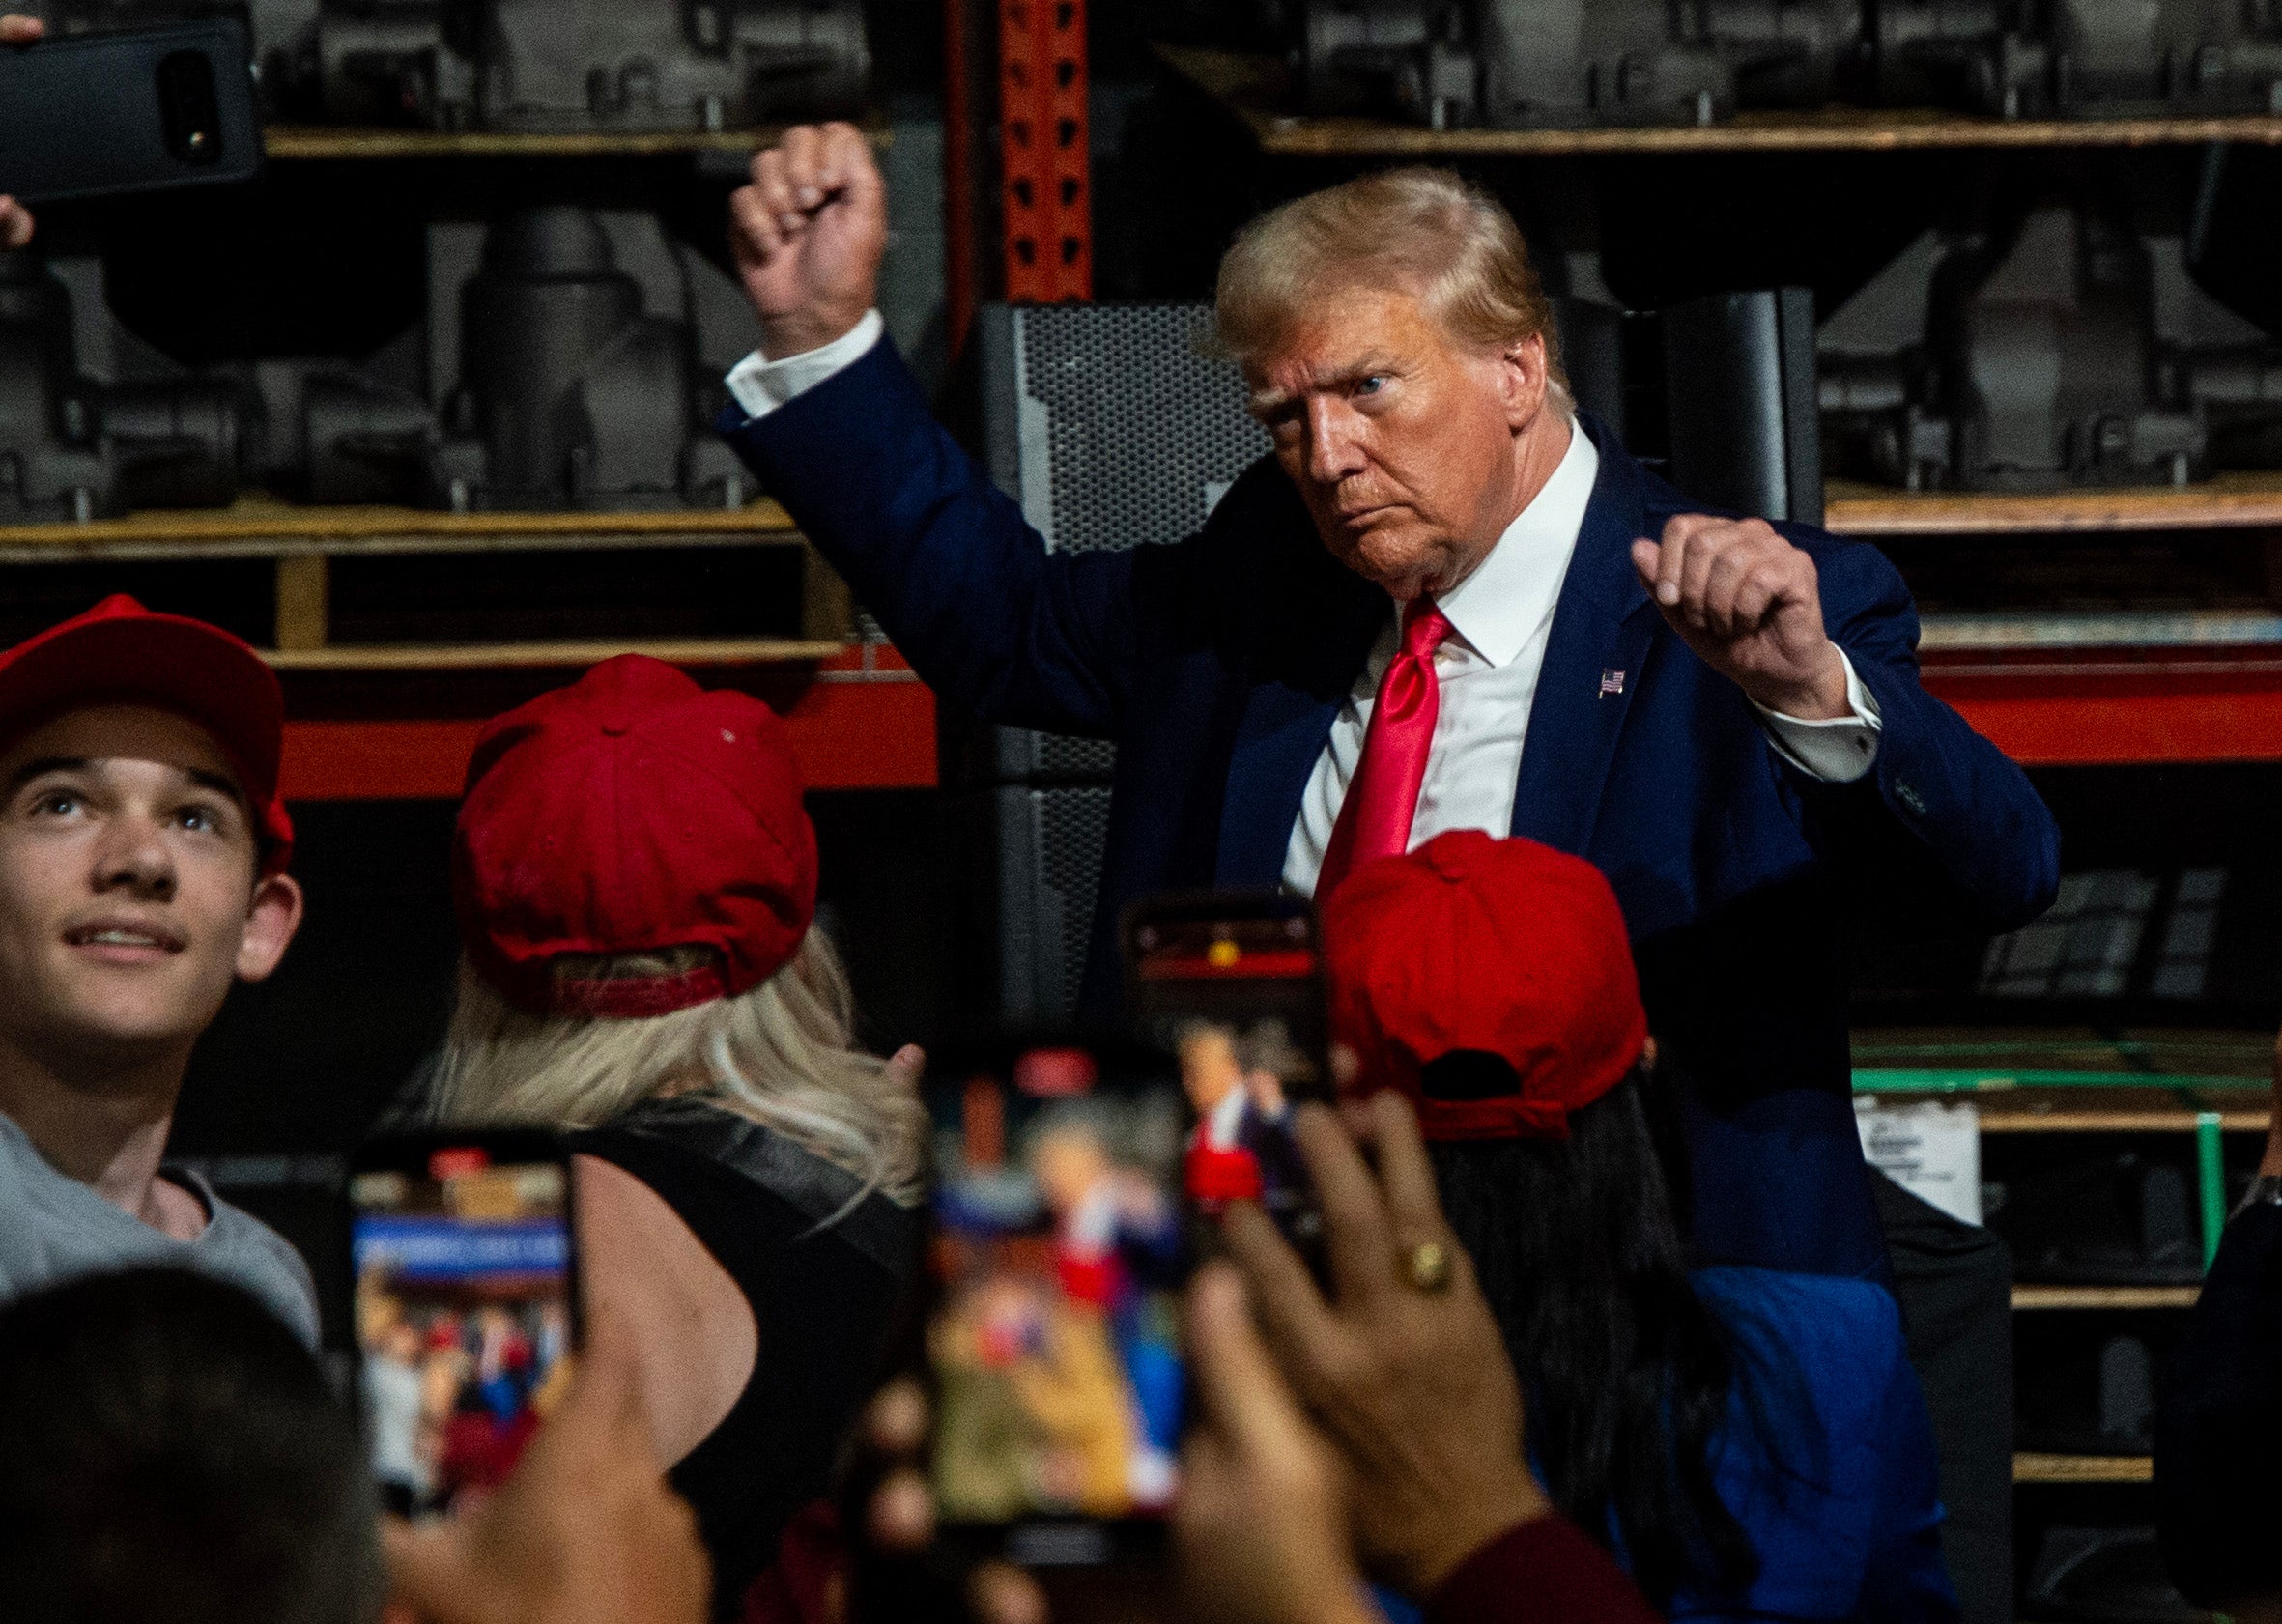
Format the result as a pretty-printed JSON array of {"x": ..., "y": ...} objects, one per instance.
[
  {"x": 134, "y": 855},
  {"x": 1335, "y": 449}
]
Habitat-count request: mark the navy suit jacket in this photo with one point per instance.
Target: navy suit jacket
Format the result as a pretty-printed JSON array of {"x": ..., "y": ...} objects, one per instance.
[{"x": 1218, "y": 663}]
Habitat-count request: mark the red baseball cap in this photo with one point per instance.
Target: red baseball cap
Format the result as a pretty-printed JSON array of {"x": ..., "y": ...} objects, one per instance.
[
  {"x": 633, "y": 812},
  {"x": 121, "y": 653},
  {"x": 1505, "y": 948}
]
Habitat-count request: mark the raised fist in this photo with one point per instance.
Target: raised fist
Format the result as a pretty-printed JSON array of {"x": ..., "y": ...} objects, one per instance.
[
  {"x": 1747, "y": 602},
  {"x": 808, "y": 234}
]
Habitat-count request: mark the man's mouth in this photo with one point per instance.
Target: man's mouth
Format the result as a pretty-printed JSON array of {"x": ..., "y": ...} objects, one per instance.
[{"x": 115, "y": 939}]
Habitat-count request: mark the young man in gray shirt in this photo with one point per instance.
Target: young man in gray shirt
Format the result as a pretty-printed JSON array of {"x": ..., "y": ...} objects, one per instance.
[{"x": 142, "y": 870}]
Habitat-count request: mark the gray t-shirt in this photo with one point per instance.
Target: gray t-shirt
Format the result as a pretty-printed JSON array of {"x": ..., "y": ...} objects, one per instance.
[{"x": 54, "y": 1228}]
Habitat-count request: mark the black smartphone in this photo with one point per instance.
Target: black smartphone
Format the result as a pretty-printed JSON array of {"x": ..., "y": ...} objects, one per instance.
[
  {"x": 1060, "y": 1247},
  {"x": 94, "y": 114},
  {"x": 1229, "y": 986},
  {"x": 463, "y": 1248}
]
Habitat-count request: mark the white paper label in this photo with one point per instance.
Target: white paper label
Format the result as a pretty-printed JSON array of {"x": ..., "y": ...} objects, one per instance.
[{"x": 1932, "y": 1148}]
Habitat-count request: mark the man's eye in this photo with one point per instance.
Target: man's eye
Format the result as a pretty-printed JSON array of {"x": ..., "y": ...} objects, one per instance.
[
  {"x": 202, "y": 820},
  {"x": 1370, "y": 386},
  {"x": 56, "y": 803}
]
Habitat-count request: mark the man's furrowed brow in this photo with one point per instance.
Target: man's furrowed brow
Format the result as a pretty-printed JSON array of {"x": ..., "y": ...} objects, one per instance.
[
  {"x": 221, "y": 784},
  {"x": 1344, "y": 374},
  {"x": 47, "y": 764}
]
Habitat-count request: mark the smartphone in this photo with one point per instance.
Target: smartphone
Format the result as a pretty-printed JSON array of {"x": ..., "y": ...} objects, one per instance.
[
  {"x": 463, "y": 1248},
  {"x": 1229, "y": 986},
  {"x": 1058, "y": 1250},
  {"x": 94, "y": 114}
]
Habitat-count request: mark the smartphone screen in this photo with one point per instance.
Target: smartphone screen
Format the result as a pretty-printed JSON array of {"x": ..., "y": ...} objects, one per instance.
[
  {"x": 1230, "y": 988},
  {"x": 1060, "y": 1249},
  {"x": 462, "y": 1258}
]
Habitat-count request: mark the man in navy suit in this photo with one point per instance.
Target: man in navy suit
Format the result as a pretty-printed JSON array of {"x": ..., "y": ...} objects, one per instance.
[{"x": 1448, "y": 601}]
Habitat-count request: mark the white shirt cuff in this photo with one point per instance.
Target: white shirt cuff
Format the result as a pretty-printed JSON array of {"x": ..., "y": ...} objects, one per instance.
[
  {"x": 761, "y": 385},
  {"x": 1838, "y": 750}
]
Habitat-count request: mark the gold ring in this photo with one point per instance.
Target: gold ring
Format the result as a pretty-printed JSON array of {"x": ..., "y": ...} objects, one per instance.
[{"x": 1428, "y": 1266}]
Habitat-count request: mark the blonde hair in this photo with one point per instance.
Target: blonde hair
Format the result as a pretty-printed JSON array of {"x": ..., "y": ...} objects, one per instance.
[
  {"x": 781, "y": 1054},
  {"x": 1421, "y": 230}
]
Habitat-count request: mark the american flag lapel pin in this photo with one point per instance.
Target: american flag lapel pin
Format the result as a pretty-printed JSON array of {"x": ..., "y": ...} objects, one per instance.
[{"x": 1612, "y": 682}]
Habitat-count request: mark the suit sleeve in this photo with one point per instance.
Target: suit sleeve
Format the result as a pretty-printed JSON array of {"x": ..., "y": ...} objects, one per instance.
[
  {"x": 1904, "y": 1581},
  {"x": 2218, "y": 1428},
  {"x": 941, "y": 556},
  {"x": 1941, "y": 803}
]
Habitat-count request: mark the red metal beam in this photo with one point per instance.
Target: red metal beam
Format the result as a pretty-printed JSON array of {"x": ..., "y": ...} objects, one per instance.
[
  {"x": 2122, "y": 711},
  {"x": 1042, "y": 151},
  {"x": 854, "y": 726}
]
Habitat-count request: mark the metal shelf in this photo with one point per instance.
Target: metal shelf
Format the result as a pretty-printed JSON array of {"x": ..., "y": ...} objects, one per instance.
[{"x": 1254, "y": 89}]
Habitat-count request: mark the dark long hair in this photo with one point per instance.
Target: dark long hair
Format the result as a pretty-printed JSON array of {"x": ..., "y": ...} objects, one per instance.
[{"x": 1627, "y": 1375}]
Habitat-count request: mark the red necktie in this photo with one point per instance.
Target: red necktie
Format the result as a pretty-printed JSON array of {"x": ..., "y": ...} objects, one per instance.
[{"x": 1374, "y": 818}]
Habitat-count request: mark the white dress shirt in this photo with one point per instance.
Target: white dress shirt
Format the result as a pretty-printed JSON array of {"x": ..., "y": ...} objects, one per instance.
[{"x": 1500, "y": 618}]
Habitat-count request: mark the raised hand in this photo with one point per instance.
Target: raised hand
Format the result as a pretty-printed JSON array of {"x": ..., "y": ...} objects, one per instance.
[
  {"x": 808, "y": 234},
  {"x": 15, "y": 220},
  {"x": 1746, "y": 601}
]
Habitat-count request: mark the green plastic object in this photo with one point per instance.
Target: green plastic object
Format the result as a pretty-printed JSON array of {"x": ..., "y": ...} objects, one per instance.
[
  {"x": 2210, "y": 1173},
  {"x": 1880, "y": 1079}
]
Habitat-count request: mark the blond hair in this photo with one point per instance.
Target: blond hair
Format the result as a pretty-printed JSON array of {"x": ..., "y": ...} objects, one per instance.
[
  {"x": 1425, "y": 231},
  {"x": 781, "y": 1054}
]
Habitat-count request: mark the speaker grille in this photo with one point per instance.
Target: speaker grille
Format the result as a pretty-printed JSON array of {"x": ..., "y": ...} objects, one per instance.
[
  {"x": 1144, "y": 429},
  {"x": 1056, "y": 840}
]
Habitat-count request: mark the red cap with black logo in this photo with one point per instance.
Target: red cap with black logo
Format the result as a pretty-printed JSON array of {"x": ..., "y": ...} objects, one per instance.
[
  {"x": 121, "y": 653},
  {"x": 1475, "y": 945},
  {"x": 633, "y": 812}
]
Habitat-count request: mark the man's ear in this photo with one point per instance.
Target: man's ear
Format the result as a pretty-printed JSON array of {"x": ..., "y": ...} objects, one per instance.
[
  {"x": 270, "y": 923},
  {"x": 1521, "y": 379}
]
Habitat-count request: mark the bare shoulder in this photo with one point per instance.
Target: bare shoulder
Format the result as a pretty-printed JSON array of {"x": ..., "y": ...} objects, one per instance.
[{"x": 694, "y": 1334}]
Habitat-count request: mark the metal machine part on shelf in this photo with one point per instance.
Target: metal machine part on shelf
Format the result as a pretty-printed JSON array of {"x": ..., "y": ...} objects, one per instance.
[
  {"x": 572, "y": 358},
  {"x": 1566, "y": 63},
  {"x": 2064, "y": 351},
  {"x": 1521, "y": 63},
  {"x": 2081, "y": 58},
  {"x": 535, "y": 64},
  {"x": 91, "y": 422}
]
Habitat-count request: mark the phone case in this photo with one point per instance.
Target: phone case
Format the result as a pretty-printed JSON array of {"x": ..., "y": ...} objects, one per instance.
[{"x": 106, "y": 113}]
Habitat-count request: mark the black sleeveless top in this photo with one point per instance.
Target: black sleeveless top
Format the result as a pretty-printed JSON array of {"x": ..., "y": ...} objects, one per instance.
[{"x": 825, "y": 1299}]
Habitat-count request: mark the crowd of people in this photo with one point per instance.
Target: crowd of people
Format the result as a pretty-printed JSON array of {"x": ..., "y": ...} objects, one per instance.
[{"x": 1590, "y": 1319}]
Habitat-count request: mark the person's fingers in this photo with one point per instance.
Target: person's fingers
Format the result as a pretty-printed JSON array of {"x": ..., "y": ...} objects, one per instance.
[
  {"x": 1355, "y": 1219},
  {"x": 854, "y": 173},
  {"x": 1405, "y": 1172},
  {"x": 895, "y": 1421},
  {"x": 779, "y": 183},
  {"x": 1000, "y": 1593},
  {"x": 901, "y": 1513},
  {"x": 803, "y": 147},
  {"x": 1672, "y": 557},
  {"x": 21, "y": 29},
  {"x": 754, "y": 225},
  {"x": 906, "y": 1066},
  {"x": 1703, "y": 552},
  {"x": 1292, "y": 1311},
  {"x": 1347, "y": 1067},
  {"x": 1721, "y": 580},
  {"x": 1237, "y": 1387},
  {"x": 1647, "y": 563},
  {"x": 15, "y": 224},
  {"x": 1755, "y": 595}
]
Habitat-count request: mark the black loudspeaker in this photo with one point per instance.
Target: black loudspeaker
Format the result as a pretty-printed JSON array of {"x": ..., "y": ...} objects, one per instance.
[
  {"x": 1115, "y": 426},
  {"x": 1740, "y": 401}
]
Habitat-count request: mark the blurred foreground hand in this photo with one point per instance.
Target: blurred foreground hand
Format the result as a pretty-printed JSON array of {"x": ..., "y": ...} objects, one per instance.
[{"x": 15, "y": 220}]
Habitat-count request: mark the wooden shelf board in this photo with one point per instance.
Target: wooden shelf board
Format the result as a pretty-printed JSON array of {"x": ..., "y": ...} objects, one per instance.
[
  {"x": 500, "y": 656},
  {"x": 1253, "y": 88},
  {"x": 263, "y": 527},
  {"x": 2104, "y": 1297},
  {"x": 2115, "y": 1122},
  {"x": 293, "y": 142},
  {"x": 2236, "y": 500},
  {"x": 2028, "y": 1467}
]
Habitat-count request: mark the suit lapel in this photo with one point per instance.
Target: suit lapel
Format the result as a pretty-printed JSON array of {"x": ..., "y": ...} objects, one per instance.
[{"x": 1602, "y": 627}]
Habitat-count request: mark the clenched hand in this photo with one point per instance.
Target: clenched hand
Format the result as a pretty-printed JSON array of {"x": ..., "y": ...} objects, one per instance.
[
  {"x": 1747, "y": 602},
  {"x": 808, "y": 234}
]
